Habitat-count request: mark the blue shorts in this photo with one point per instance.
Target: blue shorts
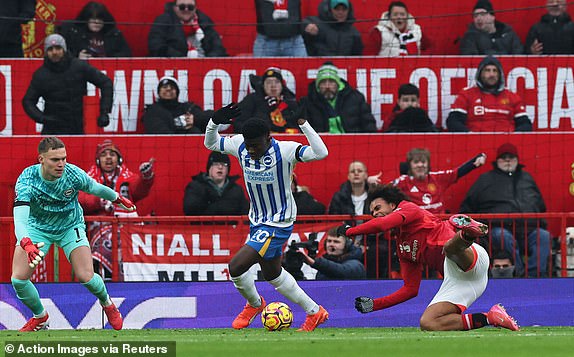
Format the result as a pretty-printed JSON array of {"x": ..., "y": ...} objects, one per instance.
[
  {"x": 69, "y": 240},
  {"x": 267, "y": 240}
]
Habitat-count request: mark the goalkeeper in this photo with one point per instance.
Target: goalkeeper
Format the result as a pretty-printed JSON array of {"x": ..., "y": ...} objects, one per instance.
[{"x": 46, "y": 211}]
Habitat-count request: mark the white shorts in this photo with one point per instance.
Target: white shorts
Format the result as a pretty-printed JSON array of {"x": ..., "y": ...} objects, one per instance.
[{"x": 462, "y": 288}]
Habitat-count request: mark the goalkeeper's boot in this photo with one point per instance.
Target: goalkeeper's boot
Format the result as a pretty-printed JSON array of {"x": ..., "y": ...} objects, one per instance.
[
  {"x": 246, "y": 316},
  {"x": 312, "y": 321},
  {"x": 36, "y": 324},
  {"x": 114, "y": 316},
  {"x": 471, "y": 229},
  {"x": 498, "y": 317}
]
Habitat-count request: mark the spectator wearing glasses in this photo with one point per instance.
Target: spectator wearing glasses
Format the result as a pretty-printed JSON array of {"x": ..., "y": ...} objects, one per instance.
[
  {"x": 184, "y": 31},
  {"x": 215, "y": 193}
]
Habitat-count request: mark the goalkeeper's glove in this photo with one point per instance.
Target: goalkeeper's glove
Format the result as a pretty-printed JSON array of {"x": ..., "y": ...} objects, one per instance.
[
  {"x": 124, "y": 203},
  {"x": 225, "y": 114},
  {"x": 35, "y": 255},
  {"x": 342, "y": 230},
  {"x": 364, "y": 304}
]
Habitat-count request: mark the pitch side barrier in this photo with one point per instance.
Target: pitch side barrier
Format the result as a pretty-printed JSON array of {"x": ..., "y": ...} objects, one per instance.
[{"x": 178, "y": 248}]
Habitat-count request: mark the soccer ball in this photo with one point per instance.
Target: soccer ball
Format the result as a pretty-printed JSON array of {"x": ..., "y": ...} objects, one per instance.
[{"x": 277, "y": 316}]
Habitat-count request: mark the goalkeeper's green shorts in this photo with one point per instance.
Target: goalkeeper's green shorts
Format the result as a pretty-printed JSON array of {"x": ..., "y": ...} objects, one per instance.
[{"x": 71, "y": 239}]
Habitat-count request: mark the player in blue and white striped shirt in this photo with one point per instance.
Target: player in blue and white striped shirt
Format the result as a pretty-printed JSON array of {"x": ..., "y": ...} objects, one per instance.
[
  {"x": 46, "y": 212},
  {"x": 267, "y": 166}
]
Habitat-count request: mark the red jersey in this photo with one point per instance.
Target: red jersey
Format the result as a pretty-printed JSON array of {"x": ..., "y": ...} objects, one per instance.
[
  {"x": 427, "y": 193},
  {"x": 420, "y": 240},
  {"x": 489, "y": 112},
  {"x": 124, "y": 181}
]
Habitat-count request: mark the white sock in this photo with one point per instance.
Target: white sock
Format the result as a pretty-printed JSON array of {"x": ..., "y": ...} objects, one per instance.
[
  {"x": 285, "y": 283},
  {"x": 245, "y": 284},
  {"x": 40, "y": 315},
  {"x": 108, "y": 301}
]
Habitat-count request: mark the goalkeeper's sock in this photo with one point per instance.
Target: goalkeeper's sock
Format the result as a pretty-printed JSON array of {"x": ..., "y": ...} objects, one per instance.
[
  {"x": 28, "y": 294},
  {"x": 285, "y": 283},
  {"x": 97, "y": 287},
  {"x": 473, "y": 321},
  {"x": 245, "y": 284}
]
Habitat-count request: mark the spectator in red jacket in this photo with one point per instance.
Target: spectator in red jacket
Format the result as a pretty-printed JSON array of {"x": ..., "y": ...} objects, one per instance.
[{"x": 110, "y": 170}]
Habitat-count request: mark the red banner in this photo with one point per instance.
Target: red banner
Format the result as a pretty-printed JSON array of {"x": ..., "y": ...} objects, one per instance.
[
  {"x": 188, "y": 252},
  {"x": 545, "y": 84}
]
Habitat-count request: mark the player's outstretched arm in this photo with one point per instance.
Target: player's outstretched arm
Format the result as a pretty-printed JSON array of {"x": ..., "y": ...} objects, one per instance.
[
  {"x": 318, "y": 148},
  {"x": 107, "y": 193},
  {"x": 223, "y": 116},
  {"x": 124, "y": 203}
]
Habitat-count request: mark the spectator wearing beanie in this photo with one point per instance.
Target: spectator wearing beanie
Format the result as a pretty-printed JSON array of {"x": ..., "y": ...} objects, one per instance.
[
  {"x": 333, "y": 106},
  {"x": 508, "y": 188},
  {"x": 170, "y": 116},
  {"x": 215, "y": 193},
  {"x": 62, "y": 81},
  {"x": 486, "y": 36},
  {"x": 271, "y": 101}
]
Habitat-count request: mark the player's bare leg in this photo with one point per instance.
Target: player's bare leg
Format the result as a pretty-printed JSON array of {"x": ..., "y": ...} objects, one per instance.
[
  {"x": 243, "y": 280},
  {"x": 442, "y": 316},
  {"x": 81, "y": 259}
]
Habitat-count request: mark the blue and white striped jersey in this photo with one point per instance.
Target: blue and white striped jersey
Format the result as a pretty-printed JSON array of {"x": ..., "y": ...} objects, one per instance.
[{"x": 267, "y": 180}]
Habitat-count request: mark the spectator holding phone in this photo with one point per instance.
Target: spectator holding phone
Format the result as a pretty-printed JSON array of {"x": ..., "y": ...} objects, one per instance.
[{"x": 170, "y": 116}]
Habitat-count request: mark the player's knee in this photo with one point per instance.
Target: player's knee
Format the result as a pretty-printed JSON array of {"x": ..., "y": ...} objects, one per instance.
[
  {"x": 84, "y": 276},
  {"x": 427, "y": 323}
]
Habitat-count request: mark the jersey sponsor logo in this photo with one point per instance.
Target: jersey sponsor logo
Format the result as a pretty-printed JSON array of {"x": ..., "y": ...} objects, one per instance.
[
  {"x": 69, "y": 192},
  {"x": 427, "y": 198},
  {"x": 478, "y": 110}
]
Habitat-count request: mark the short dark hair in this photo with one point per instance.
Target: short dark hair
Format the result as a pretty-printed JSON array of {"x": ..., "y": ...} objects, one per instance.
[
  {"x": 409, "y": 89},
  {"x": 255, "y": 128},
  {"x": 502, "y": 254},
  {"x": 397, "y": 3},
  {"x": 388, "y": 192},
  {"x": 50, "y": 143}
]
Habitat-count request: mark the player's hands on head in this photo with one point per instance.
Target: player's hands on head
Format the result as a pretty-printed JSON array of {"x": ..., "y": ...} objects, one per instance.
[
  {"x": 35, "y": 255},
  {"x": 125, "y": 203},
  {"x": 342, "y": 230},
  {"x": 225, "y": 114},
  {"x": 103, "y": 120},
  {"x": 364, "y": 304},
  {"x": 301, "y": 121}
]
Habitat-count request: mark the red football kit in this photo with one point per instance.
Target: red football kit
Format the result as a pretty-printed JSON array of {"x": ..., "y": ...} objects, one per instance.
[
  {"x": 427, "y": 193},
  {"x": 420, "y": 240},
  {"x": 489, "y": 112}
]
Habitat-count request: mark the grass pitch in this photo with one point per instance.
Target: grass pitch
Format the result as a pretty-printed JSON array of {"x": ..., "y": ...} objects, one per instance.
[{"x": 362, "y": 342}]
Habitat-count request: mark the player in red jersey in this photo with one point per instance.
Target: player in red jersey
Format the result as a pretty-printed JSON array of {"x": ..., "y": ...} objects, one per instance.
[
  {"x": 488, "y": 106},
  {"x": 426, "y": 188},
  {"x": 446, "y": 246}
]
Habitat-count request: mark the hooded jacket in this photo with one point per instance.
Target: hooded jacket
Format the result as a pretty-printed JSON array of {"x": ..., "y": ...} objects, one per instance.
[
  {"x": 556, "y": 34},
  {"x": 162, "y": 116},
  {"x": 388, "y": 33},
  {"x": 502, "y": 42},
  {"x": 77, "y": 38},
  {"x": 488, "y": 109},
  {"x": 334, "y": 38},
  {"x": 345, "y": 267},
  {"x": 342, "y": 203},
  {"x": 167, "y": 38}
]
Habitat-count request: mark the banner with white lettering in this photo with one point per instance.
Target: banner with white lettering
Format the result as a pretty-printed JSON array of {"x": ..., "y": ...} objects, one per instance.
[
  {"x": 194, "y": 252},
  {"x": 546, "y": 84}
]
